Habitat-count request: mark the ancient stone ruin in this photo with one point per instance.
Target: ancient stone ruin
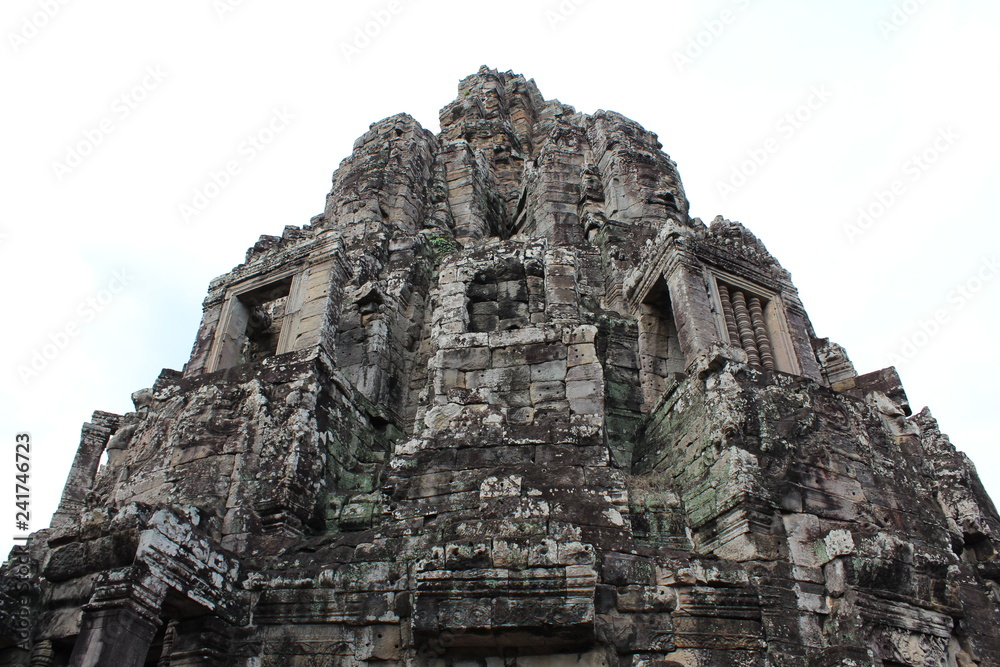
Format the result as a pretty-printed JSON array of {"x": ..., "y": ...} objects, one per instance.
[{"x": 505, "y": 403}]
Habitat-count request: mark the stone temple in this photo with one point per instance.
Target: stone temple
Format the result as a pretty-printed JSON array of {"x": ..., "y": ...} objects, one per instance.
[{"x": 504, "y": 403}]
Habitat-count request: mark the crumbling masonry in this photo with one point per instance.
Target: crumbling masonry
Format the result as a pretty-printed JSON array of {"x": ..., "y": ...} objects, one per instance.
[{"x": 505, "y": 403}]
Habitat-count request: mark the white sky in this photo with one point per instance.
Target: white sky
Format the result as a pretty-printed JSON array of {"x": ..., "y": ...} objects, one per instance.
[{"x": 224, "y": 67}]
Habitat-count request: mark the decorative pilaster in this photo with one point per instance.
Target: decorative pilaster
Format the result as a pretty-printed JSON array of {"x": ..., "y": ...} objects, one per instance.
[
  {"x": 121, "y": 619},
  {"x": 43, "y": 654},
  {"x": 730, "y": 316},
  {"x": 760, "y": 333},
  {"x": 747, "y": 339}
]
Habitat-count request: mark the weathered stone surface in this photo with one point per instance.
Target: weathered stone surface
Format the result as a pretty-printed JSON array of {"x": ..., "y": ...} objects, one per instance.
[{"x": 505, "y": 403}]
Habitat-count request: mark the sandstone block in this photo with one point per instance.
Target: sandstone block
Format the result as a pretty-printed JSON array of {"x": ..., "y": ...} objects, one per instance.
[
  {"x": 542, "y": 392},
  {"x": 550, "y": 371},
  {"x": 578, "y": 355}
]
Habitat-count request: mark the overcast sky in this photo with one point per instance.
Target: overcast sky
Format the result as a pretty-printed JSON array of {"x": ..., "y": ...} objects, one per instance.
[{"x": 791, "y": 117}]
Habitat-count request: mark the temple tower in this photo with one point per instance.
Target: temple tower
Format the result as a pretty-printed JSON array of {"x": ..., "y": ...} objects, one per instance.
[{"x": 504, "y": 402}]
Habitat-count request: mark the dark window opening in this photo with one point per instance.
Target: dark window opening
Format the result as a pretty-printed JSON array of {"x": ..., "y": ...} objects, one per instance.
[
  {"x": 263, "y": 329},
  {"x": 497, "y": 222},
  {"x": 660, "y": 354},
  {"x": 156, "y": 646},
  {"x": 255, "y": 323}
]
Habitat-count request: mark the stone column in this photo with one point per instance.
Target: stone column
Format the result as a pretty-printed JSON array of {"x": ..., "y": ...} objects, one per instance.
[
  {"x": 121, "y": 619},
  {"x": 93, "y": 439},
  {"x": 43, "y": 654},
  {"x": 691, "y": 304}
]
